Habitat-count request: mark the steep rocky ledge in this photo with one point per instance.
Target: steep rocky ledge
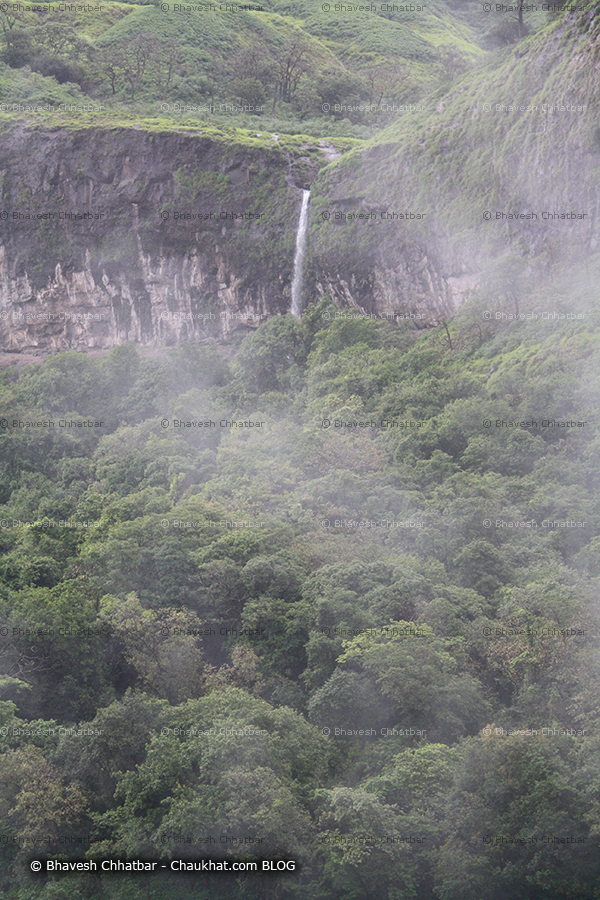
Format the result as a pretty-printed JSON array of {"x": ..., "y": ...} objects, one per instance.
[
  {"x": 149, "y": 237},
  {"x": 160, "y": 237}
]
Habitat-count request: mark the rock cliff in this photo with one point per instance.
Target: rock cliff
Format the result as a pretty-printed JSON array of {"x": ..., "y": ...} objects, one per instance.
[
  {"x": 159, "y": 237},
  {"x": 110, "y": 236}
]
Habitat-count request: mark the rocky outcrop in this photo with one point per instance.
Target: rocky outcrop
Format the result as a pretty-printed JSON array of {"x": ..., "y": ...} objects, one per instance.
[
  {"x": 157, "y": 238},
  {"x": 162, "y": 237}
]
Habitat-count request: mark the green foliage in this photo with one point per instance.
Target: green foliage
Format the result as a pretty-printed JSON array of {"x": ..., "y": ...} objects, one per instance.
[
  {"x": 289, "y": 65},
  {"x": 196, "y": 661}
]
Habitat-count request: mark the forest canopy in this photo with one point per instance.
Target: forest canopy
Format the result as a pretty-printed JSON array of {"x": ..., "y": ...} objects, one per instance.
[{"x": 319, "y": 631}]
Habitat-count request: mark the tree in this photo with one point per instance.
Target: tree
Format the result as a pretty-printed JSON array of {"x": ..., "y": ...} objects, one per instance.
[
  {"x": 131, "y": 62},
  {"x": 227, "y": 764},
  {"x": 164, "y": 647},
  {"x": 415, "y": 670},
  {"x": 293, "y": 62},
  {"x": 256, "y": 73},
  {"x": 508, "y": 276},
  {"x": 281, "y": 629},
  {"x": 122, "y": 732},
  {"x": 168, "y": 57},
  {"x": 513, "y": 796},
  {"x": 482, "y": 567},
  {"x": 361, "y": 847},
  {"x": 35, "y": 801},
  {"x": 56, "y": 644},
  {"x": 349, "y": 700},
  {"x": 17, "y": 40}
]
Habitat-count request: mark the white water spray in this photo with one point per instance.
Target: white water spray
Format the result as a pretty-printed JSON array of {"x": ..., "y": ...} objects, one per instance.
[{"x": 299, "y": 257}]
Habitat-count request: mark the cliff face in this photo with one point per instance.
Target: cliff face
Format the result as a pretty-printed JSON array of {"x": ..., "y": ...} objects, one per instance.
[
  {"x": 151, "y": 237},
  {"x": 364, "y": 257},
  {"x": 161, "y": 237}
]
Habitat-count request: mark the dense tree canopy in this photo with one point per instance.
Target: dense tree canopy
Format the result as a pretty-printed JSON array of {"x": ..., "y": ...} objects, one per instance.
[{"x": 371, "y": 649}]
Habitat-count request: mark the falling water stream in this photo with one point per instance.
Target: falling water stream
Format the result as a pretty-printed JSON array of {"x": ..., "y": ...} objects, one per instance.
[{"x": 299, "y": 257}]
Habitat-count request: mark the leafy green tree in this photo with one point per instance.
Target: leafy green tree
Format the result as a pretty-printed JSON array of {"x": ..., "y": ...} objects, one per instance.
[
  {"x": 420, "y": 676},
  {"x": 269, "y": 359},
  {"x": 56, "y": 644},
  {"x": 349, "y": 700},
  {"x": 37, "y": 806},
  {"x": 515, "y": 799},
  {"x": 227, "y": 764},
  {"x": 362, "y": 847},
  {"x": 122, "y": 731},
  {"x": 164, "y": 647},
  {"x": 280, "y": 629},
  {"x": 482, "y": 568}
]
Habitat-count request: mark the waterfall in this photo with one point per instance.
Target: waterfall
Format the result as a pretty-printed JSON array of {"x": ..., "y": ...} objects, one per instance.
[{"x": 299, "y": 257}]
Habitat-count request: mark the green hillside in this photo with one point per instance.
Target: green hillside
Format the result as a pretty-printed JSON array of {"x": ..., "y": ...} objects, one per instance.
[
  {"x": 315, "y": 597},
  {"x": 290, "y": 64},
  {"x": 500, "y": 165},
  {"x": 359, "y": 634}
]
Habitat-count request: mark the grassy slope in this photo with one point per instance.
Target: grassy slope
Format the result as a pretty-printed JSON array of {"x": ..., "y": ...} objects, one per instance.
[
  {"x": 462, "y": 156},
  {"x": 348, "y": 44}
]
